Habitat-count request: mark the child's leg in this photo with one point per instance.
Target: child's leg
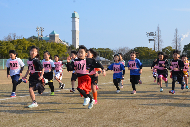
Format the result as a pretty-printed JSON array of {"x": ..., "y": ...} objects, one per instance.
[
  {"x": 160, "y": 81},
  {"x": 94, "y": 91},
  {"x": 73, "y": 84},
  {"x": 57, "y": 79},
  {"x": 116, "y": 83},
  {"x": 186, "y": 80},
  {"x": 174, "y": 79},
  {"x": 133, "y": 86},
  {"x": 84, "y": 94},
  {"x": 50, "y": 83},
  {"x": 32, "y": 95}
]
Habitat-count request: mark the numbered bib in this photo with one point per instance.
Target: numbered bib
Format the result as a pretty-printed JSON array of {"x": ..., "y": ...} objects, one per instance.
[
  {"x": 80, "y": 67},
  {"x": 31, "y": 66},
  {"x": 132, "y": 64},
  {"x": 14, "y": 65},
  {"x": 160, "y": 67},
  {"x": 58, "y": 65},
  {"x": 116, "y": 68},
  {"x": 46, "y": 66},
  {"x": 175, "y": 65},
  {"x": 186, "y": 67}
]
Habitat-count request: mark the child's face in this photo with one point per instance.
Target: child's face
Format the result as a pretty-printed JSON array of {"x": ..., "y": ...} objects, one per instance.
[
  {"x": 176, "y": 56},
  {"x": 120, "y": 57},
  {"x": 184, "y": 59},
  {"x": 89, "y": 54},
  {"x": 46, "y": 56},
  {"x": 82, "y": 54},
  {"x": 116, "y": 58},
  {"x": 132, "y": 56},
  {"x": 33, "y": 53},
  {"x": 73, "y": 56},
  {"x": 12, "y": 56},
  {"x": 56, "y": 58},
  {"x": 161, "y": 57}
]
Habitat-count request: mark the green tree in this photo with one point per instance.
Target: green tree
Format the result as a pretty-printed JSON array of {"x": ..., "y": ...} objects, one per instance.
[{"x": 168, "y": 51}]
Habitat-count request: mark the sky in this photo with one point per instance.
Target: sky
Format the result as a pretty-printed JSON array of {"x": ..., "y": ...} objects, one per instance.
[{"x": 102, "y": 24}]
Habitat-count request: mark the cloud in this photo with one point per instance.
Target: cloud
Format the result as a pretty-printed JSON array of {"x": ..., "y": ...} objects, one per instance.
[
  {"x": 182, "y": 9},
  {"x": 184, "y": 36}
]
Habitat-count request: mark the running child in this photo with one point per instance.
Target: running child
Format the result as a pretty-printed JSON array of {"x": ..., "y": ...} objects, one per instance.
[
  {"x": 35, "y": 69},
  {"x": 154, "y": 73},
  {"x": 93, "y": 74},
  {"x": 177, "y": 67},
  {"x": 135, "y": 67},
  {"x": 49, "y": 66},
  {"x": 74, "y": 76},
  {"x": 15, "y": 67},
  {"x": 83, "y": 66},
  {"x": 162, "y": 71},
  {"x": 119, "y": 71},
  {"x": 58, "y": 71},
  {"x": 123, "y": 62},
  {"x": 185, "y": 70}
]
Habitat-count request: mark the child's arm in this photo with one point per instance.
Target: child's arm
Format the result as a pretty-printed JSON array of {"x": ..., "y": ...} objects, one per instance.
[
  {"x": 8, "y": 70},
  {"x": 27, "y": 72},
  {"x": 40, "y": 78}
]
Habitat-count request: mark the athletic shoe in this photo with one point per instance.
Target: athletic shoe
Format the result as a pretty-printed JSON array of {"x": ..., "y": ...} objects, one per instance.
[
  {"x": 121, "y": 86},
  {"x": 117, "y": 91},
  {"x": 172, "y": 91},
  {"x": 187, "y": 87},
  {"x": 73, "y": 91},
  {"x": 33, "y": 105},
  {"x": 97, "y": 87},
  {"x": 91, "y": 104},
  {"x": 182, "y": 87},
  {"x": 86, "y": 101},
  {"x": 140, "y": 82},
  {"x": 134, "y": 92},
  {"x": 52, "y": 93},
  {"x": 161, "y": 90},
  {"x": 13, "y": 94},
  {"x": 61, "y": 85},
  {"x": 24, "y": 80},
  {"x": 155, "y": 80},
  {"x": 158, "y": 83},
  {"x": 166, "y": 84},
  {"x": 95, "y": 102}
]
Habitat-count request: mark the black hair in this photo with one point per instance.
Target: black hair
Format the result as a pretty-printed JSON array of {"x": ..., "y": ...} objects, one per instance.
[
  {"x": 118, "y": 56},
  {"x": 56, "y": 55},
  {"x": 32, "y": 47},
  {"x": 13, "y": 52},
  {"x": 133, "y": 52},
  {"x": 83, "y": 47},
  {"x": 162, "y": 53},
  {"x": 121, "y": 54},
  {"x": 176, "y": 51},
  {"x": 74, "y": 52},
  {"x": 47, "y": 52},
  {"x": 95, "y": 54},
  {"x": 183, "y": 55}
]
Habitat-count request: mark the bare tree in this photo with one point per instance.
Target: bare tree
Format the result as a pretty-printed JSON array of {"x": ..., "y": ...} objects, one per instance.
[
  {"x": 123, "y": 50},
  {"x": 158, "y": 40},
  {"x": 12, "y": 36},
  {"x": 176, "y": 42}
]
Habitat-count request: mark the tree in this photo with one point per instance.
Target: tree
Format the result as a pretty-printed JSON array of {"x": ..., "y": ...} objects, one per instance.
[
  {"x": 158, "y": 39},
  {"x": 168, "y": 51},
  {"x": 186, "y": 50},
  {"x": 122, "y": 50},
  {"x": 176, "y": 41}
]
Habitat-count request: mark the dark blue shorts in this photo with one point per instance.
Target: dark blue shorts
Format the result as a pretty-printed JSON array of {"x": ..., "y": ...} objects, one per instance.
[{"x": 15, "y": 77}]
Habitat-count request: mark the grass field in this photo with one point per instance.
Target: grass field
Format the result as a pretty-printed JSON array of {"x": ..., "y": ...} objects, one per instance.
[{"x": 149, "y": 107}]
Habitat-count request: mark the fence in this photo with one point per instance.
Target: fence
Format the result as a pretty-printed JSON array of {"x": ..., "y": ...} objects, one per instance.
[{"x": 145, "y": 62}]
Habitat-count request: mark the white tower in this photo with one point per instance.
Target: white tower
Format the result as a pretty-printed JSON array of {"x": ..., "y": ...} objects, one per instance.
[{"x": 75, "y": 29}]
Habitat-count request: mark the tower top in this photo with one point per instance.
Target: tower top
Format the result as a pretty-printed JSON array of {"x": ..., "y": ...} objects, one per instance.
[
  {"x": 53, "y": 32},
  {"x": 75, "y": 15}
]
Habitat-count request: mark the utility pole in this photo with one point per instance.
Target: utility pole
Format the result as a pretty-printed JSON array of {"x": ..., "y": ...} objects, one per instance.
[{"x": 158, "y": 38}]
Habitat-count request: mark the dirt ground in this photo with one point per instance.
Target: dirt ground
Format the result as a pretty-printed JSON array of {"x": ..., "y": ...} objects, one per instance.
[{"x": 149, "y": 107}]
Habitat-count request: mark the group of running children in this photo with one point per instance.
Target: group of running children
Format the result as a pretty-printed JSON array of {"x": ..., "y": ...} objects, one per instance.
[
  {"x": 178, "y": 70},
  {"x": 86, "y": 69}
]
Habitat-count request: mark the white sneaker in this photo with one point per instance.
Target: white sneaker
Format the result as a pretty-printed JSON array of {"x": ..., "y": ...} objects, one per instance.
[
  {"x": 91, "y": 104},
  {"x": 33, "y": 105},
  {"x": 117, "y": 91},
  {"x": 161, "y": 90},
  {"x": 86, "y": 101}
]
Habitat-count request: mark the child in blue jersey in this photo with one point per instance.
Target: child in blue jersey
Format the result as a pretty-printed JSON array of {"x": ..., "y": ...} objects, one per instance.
[
  {"x": 135, "y": 67},
  {"x": 117, "y": 67}
]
